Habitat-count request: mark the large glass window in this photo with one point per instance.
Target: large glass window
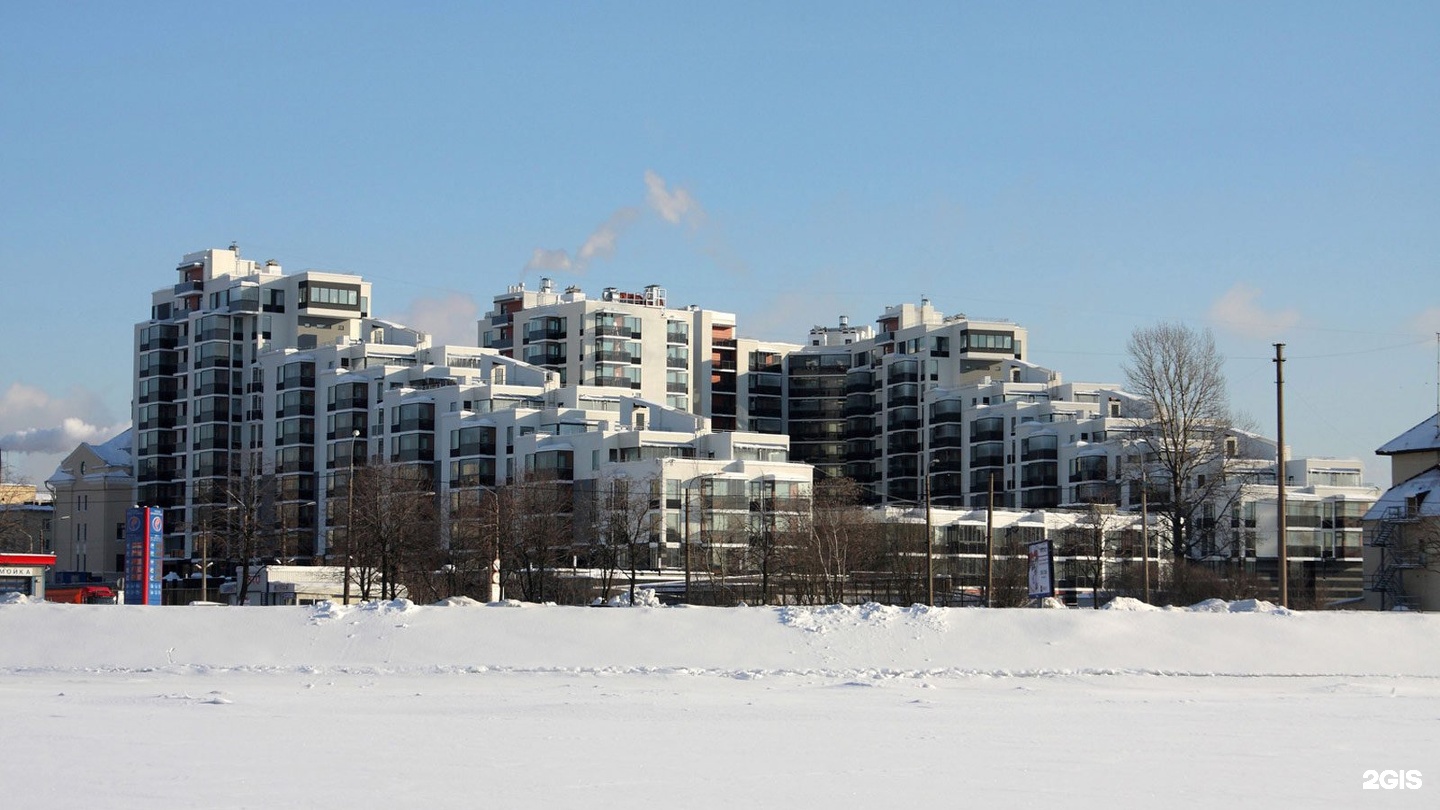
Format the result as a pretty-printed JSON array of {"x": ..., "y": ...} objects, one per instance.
[{"x": 343, "y": 296}]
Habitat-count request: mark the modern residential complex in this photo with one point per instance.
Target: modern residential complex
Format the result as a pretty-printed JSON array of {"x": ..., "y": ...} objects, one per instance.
[
  {"x": 245, "y": 373},
  {"x": 258, "y": 394}
]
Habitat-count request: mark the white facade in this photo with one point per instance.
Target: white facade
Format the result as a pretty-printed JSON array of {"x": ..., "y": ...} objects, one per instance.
[
  {"x": 194, "y": 409},
  {"x": 634, "y": 342}
]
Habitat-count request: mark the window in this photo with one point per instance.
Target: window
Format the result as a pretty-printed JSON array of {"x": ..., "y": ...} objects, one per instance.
[{"x": 342, "y": 296}]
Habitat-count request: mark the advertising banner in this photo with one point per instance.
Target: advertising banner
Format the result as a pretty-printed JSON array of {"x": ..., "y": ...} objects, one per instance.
[
  {"x": 144, "y": 550},
  {"x": 1042, "y": 573}
]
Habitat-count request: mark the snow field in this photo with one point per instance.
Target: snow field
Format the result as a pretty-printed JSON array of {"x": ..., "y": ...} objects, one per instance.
[{"x": 466, "y": 705}]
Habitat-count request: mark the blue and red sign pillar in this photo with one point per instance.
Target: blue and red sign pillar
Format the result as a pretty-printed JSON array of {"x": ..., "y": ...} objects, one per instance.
[{"x": 144, "y": 552}]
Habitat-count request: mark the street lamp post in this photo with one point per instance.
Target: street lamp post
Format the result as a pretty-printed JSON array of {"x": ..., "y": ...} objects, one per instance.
[
  {"x": 693, "y": 483},
  {"x": 990, "y": 544},
  {"x": 349, "y": 516},
  {"x": 929, "y": 545},
  {"x": 205, "y": 563}
]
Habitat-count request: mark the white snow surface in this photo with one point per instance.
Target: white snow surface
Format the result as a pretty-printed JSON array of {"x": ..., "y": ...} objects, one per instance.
[{"x": 463, "y": 704}]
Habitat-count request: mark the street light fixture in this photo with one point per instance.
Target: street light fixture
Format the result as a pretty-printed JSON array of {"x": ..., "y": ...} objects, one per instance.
[{"x": 349, "y": 515}]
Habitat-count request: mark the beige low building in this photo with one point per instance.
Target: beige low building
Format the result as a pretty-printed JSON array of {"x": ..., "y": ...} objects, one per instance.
[
  {"x": 25, "y": 519},
  {"x": 91, "y": 490},
  {"x": 1402, "y": 529}
]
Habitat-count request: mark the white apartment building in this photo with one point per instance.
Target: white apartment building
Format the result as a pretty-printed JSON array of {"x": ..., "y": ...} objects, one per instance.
[
  {"x": 853, "y": 394},
  {"x": 241, "y": 368},
  {"x": 245, "y": 373},
  {"x": 684, "y": 357},
  {"x": 194, "y": 358}
]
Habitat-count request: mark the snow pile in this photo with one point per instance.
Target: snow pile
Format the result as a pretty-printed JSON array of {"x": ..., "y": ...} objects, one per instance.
[
  {"x": 460, "y": 601},
  {"x": 1241, "y": 606},
  {"x": 1129, "y": 604},
  {"x": 832, "y": 617},
  {"x": 644, "y": 597}
]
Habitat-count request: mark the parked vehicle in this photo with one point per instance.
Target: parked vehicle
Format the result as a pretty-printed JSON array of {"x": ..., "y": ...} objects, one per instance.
[{"x": 81, "y": 594}]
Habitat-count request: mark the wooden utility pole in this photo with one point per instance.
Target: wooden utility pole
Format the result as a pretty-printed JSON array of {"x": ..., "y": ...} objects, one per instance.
[
  {"x": 1145, "y": 528},
  {"x": 1281, "y": 544},
  {"x": 929, "y": 546},
  {"x": 990, "y": 545}
]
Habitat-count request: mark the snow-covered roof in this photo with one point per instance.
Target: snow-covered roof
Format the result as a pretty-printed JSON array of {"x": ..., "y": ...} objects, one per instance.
[
  {"x": 1424, "y": 436},
  {"x": 116, "y": 451},
  {"x": 1417, "y": 490}
]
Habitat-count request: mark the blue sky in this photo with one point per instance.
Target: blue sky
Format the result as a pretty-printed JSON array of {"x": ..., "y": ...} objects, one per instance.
[{"x": 1268, "y": 171}]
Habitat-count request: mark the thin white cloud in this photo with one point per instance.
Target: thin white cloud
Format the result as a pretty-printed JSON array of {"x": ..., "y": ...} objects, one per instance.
[
  {"x": 673, "y": 206},
  {"x": 1238, "y": 312},
  {"x": 1427, "y": 322},
  {"x": 450, "y": 320},
  {"x": 545, "y": 260},
  {"x": 601, "y": 243}
]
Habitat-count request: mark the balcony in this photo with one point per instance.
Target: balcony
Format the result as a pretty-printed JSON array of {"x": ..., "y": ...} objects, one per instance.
[
  {"x": 212, "y": 361},
  {"x": 615, "y": 357},
  {"x": 426, "y": 425},
  {"x": 473, "y": 449},
  {"x": 860, "y": 405},
  {"x": 160, "y": 448},
  {"x": 296, "y": 381},
  {"x": 160, "y": 395},
  {"x": 545, "y": 333},
  {"x": 903, "y": 423},
  {"x": 765, "y": 408},
  {"x": 607, "y": 381},
  {"x": 246, "y": 303},
  {"x": 860, "y": 427},
  {"x": 1097, "y": 492},
  {"x": 946, "y": 411}
]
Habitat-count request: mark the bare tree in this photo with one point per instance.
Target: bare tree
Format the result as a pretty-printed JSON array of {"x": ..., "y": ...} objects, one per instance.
[
  {"x": 842, "y": 538},
  {"x": 463, "y": 564},
  {"x": 1011, "y": 566},
  {"x": 233, "y": 510},
  {"x": 393, "y": 529},
  {"x": 1179, "y": 373},
  {"x": 536, "y": 528},
  {"x": 627, "y": 519},
  {"x": 1092, "y": 546}
]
